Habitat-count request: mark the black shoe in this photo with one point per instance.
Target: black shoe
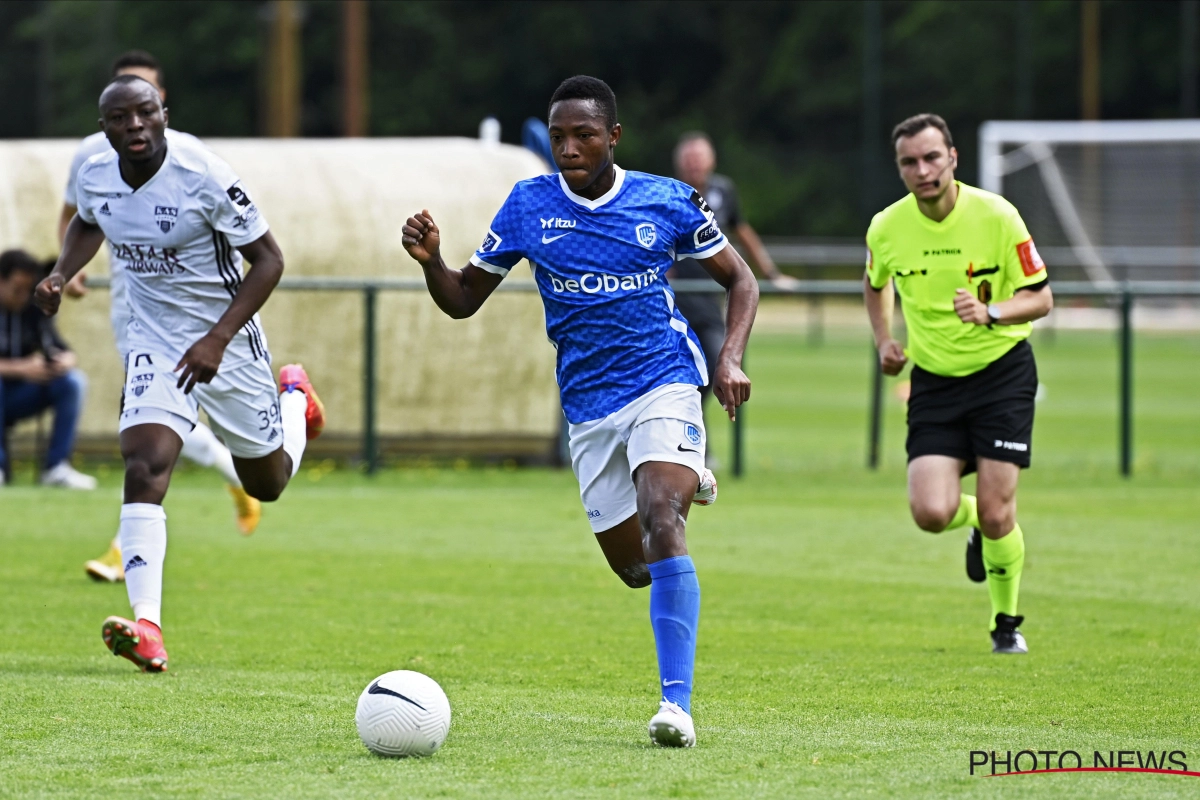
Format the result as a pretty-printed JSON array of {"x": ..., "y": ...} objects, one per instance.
[
  {"x": 1006, "y": 638},
  {"x": 975, "y": 569}
]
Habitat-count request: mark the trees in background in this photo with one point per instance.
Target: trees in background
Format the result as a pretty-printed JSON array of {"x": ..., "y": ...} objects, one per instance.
[{"x": 799, "y": 97}]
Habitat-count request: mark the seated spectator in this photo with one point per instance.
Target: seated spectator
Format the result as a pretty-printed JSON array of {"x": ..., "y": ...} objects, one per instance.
[{"x": 37, "y": 372}]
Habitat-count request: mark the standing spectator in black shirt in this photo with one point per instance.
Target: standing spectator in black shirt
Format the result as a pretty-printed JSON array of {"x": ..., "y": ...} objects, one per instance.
[
  {"x": 695, "y": 161},
  {"x": 37, "y": 372}
]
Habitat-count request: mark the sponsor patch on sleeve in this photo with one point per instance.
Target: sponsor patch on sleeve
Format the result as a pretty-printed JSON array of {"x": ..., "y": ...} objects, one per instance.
[
  {"x": 870, "y": 259},
  {"x": 699, "y": 202},
  {"x": 706, "y": 234},
  {"x": 490, "y": 242},
  {"x": 238, "y": 195},
  {"x": 1031, "y": 262},
  {"x": 247, "y": 212}
]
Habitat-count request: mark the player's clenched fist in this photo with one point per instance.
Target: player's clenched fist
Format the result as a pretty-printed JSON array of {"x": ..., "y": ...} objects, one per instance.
[
  {"x": 48, "y": 295},
  {"x": 891, "y": 357},
  {"x": 969, "y": 308},
  {"x": 422, "y": 239},
  {"x": 731, "y": 387}
]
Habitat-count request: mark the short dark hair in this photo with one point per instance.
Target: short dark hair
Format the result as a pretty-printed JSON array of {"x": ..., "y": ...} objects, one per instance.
[
  {"x": 125, "y": 80},
  {"x": 585, "y": 87},
  {"x": 686, "y": 138},
  {"x": 915, "y": 124},
  {"x": 139, "y": 58},
  {"x": 18, "y": 261}
]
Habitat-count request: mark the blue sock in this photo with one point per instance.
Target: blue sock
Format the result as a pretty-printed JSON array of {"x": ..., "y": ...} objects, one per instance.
[{"x": 675, "y": 615}]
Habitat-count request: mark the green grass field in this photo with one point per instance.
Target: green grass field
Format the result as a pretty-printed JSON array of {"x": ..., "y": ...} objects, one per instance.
[{"x": 843, "y": 653}]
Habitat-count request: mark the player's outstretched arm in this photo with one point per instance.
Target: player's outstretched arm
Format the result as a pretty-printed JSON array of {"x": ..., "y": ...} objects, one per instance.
[
  {"x": 201, "y": 361},
  {"x": 80, "y": 244},
  {"x": 730, "y": 385},
  {"x": 880, "y": 304},
  {"x": 77, "y": 286},
  {"x": 458, "y": 292}
]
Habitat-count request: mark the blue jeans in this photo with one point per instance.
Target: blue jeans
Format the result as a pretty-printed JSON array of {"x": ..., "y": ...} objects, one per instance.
[{"x": 22, "y": 399}]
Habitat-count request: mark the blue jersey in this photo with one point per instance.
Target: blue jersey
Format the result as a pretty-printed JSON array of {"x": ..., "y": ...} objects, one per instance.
[{"x": 600, "y": 266}]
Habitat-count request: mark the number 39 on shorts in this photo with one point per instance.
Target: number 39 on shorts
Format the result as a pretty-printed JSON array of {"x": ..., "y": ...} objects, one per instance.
[{"x": 268, "y": 417}]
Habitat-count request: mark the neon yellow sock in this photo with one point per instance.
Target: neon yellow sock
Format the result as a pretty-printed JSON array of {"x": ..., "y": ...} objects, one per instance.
[
  {"x": 1004, "y": 559},
  {"x": 967, "y": 513}
]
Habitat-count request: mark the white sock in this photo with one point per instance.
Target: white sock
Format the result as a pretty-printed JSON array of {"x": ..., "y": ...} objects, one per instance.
[
  {"x": 143, "y": 536},
  {"x": 292, "y": 406},
  {"x": 203, "y": 447}
]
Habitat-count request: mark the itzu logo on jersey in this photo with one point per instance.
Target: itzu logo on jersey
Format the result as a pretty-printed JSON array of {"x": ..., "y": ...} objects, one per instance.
[
  {"x": 555, "y": 222},
  {"x": 166, "y": 216}
]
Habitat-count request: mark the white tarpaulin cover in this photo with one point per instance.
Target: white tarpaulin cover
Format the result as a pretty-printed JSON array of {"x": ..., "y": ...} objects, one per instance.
[{"x": 336, "y": 207}]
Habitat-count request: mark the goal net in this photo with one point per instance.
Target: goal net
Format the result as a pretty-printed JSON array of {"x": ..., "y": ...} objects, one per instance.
[{"x": 1104, "y": 200}]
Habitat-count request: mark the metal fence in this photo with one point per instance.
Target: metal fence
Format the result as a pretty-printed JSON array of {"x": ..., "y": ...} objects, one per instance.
[{"x": 1122, "y": 293}]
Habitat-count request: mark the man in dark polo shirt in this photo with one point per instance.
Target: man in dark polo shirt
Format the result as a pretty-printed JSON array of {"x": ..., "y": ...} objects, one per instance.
[
  {"x": 37, "y": 372},
  {"x": 695, "y": 161}
]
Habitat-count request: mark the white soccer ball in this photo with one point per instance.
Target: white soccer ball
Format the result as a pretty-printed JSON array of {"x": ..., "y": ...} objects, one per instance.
[{"x": 403, "y": 713}]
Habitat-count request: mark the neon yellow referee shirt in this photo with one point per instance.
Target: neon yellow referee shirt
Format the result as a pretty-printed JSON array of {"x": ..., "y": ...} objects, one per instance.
[{"x": 981, "y": 246}]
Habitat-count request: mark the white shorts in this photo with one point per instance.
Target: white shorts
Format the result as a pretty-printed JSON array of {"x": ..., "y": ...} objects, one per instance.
[
  {"x": 242, "y": 403},
  {"x": 665, "y": 424}
]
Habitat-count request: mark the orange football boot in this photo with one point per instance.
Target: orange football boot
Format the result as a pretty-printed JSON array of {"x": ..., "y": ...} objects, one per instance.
[
  {"x": 140, "y": 642},
  {"x": 293, "y": 378}
]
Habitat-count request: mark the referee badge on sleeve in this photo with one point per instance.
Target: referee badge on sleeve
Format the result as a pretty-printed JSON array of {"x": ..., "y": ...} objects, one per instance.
[{"x": 1031, "y": 262}]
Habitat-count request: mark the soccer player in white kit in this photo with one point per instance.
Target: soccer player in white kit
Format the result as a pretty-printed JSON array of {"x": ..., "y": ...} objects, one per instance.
[
  {"x": 180, "y": 221},
  {"x": 201, "y": 446}
]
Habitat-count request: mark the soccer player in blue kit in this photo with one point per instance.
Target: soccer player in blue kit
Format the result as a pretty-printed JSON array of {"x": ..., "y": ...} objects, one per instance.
[{"x": 599, "y": 241}]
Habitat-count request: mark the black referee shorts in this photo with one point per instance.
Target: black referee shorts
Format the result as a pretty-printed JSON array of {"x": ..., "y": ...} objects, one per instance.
[{"x": 986, "y": 414}]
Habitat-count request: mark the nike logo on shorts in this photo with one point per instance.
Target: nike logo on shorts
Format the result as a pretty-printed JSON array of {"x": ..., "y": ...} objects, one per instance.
[
  {"x": 549, "y": 239},
  {"x": 683, "y": 449}
]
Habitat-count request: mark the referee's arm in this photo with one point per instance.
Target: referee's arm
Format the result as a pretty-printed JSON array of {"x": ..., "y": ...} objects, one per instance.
[
  {"x": 881, "y": 303},
  {"x": 1028, "y": 304}
]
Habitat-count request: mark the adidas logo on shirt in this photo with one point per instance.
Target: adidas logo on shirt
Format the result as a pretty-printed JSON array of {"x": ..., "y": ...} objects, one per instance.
[
  {"x": 104, "y": 210},
  {"x": 134, "y": 562}
]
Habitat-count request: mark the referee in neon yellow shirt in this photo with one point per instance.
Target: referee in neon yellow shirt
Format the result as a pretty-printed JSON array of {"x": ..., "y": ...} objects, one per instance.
[{"x": 971, "y": 283}]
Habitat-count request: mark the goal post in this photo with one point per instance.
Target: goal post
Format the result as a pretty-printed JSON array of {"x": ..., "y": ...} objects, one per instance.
[{"x": 1111, "y": 200}]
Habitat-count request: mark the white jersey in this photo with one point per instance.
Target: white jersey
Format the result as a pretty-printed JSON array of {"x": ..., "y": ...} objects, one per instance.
[
  {"x": 119, "y": 307},
  {"x": 175, "y": 238},
  {"x": 98, "y": 143}
]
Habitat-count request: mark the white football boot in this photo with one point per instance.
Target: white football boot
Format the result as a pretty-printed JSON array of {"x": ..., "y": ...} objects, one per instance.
[
  {"x": 64, "y": 476},
  {"x": 706, "y": 493},
  {"x": 672, "y": 726}
]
